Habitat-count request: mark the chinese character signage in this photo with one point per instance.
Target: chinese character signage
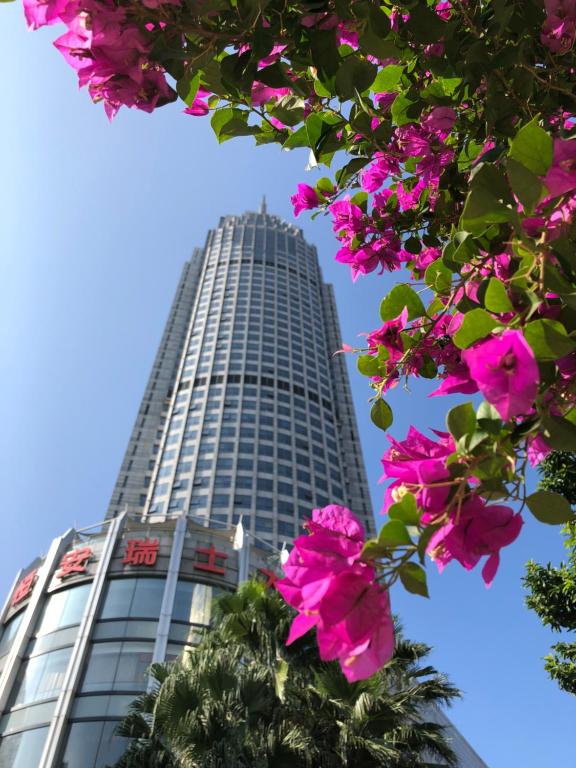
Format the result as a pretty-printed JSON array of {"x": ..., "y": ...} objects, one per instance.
[
  {"x": 271, "y": 577},
  {"x": 210, "y": 560},
  {"x": 141, "y": 552},
  {"x": 24, "y": 588},
  {"x": 74, "y": 562}
]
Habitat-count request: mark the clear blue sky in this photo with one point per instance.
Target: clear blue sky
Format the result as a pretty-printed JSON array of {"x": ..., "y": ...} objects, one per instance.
[{"x": 95, "y": 223}]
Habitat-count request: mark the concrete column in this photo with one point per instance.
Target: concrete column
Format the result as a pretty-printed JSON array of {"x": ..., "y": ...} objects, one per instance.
[{"x": 57, "y": 731}]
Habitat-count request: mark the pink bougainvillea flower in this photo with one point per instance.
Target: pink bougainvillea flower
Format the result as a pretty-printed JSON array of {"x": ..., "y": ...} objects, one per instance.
[
  {"x": 506, "y": 372},
  {"x": 355, "y": 626},
  {"x": 40, "y": 13},
  {"x": 440, "y": 120},
  {"x": 458, "y": 381},
  {"x": 262, "y": 94},
  {"x": 561, "y": 176},
  {"x": 335, "y": 592},
  {"x": 559, "y": 30},
  {"x": 538, "y": 449},
  {"x": 558, "y": 34},
  {"x": 199, "y": 106},
  {"x": 480, "y": 530},
  {"x": 304, "y": 199},
  {"x": 419, "y": 464},
  {"x": 346, "y": 217}
]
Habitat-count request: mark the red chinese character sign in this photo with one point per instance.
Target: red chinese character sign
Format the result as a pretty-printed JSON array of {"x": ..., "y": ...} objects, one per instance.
[
  {"x": 74, "y": 562},
  {"x": 271, "y": 577},
  {"x": 211, "y": 564},
  {"x": 141, "y": 552},
  {"x": 24, "y": 588}
]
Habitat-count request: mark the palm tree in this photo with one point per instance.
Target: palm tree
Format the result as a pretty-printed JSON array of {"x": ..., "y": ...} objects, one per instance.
[{"x": 242, "y": 698}]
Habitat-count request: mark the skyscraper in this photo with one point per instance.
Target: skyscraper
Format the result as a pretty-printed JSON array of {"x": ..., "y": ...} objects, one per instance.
[
  {"x": 248, "y": 416},
  {"x": 247, "y": 412}
]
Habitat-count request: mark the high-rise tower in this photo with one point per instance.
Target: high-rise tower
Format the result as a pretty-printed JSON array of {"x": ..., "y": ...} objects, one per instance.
[{"x": 247, "y": 411}]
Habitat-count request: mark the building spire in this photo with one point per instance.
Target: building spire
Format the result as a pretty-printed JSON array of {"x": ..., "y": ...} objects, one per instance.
[{"x": 263, "y": 206}]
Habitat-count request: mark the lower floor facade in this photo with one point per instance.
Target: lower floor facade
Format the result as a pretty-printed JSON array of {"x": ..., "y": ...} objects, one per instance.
[{"x": 83, "y": 624}]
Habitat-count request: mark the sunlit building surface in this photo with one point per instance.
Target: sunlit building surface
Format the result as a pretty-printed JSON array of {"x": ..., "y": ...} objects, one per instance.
[{"x": 247, "y": 416}]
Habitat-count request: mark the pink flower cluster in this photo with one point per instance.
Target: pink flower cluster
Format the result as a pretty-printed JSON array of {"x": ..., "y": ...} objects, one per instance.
[
  {"x": 559, "y": 29},
  {"x": 109, "y": 51},
  {"x": 371, "y": 241},
  {"x": 335, "y": 592},
  {"x": 469, "y": 530},
  {"x": 556, "y": 212},
  {"x": 502, "y": 366}
]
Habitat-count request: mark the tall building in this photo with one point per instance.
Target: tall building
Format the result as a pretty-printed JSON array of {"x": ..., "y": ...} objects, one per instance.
[
  {"x": 247, "y": 412},
  {"x": 248, "y": 416}
]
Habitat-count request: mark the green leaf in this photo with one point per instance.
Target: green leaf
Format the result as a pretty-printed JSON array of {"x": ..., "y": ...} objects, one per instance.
[
  {"x": 297, "y": 139},
  {"x": 425, "y": 25},
  {"x": 477, "y": 324},
  {"x": 354, "y": 74},
  {"x": 459, "y": 250},
  {"x": 325, "y": 186},
  {"x": 289, "y": 110},
  {"x": 372, "y": 550},
  {"x": 368, "y": 365},
  {"x": 487, "y": 416},
  {"x": 461, "y": 420},
  {"x": 496, "y": 297},
  {"x": 229, "y": 122},
  {"x": 381, "y": 414},
  {"x": 548, "y": 339},
  {"x": 388, "y": 79},
  {"x": 549, "y": 507},
  {"x": 526, "y": 185},
  {"x": 399, "y": 297},
  {"x": 324, "y": 51},
  {"x": 424, "y": 540},
  {"x": 489, "y": 200},
  {"x": 413, "y": 578},
  {"x": 533, "y": 148},
  {"x": 405, "y": 510},
  {"x": 280, "y": 677},
  {"x": 559, "y": 433},
  {"x": 187, "y": 87},
  {"x": 383, "y": 48},
  {"x": 438, "y": 277},
  {"x": 394, "y": 534},
  {"x": 404, "y": 110}
]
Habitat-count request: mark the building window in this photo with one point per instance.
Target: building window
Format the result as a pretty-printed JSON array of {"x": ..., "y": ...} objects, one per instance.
[
  {"x": 63, "y": 609},
  {"x": 23, "y": 750},
  {"x": 133, "y": 598},
  {"x": 92, "y": 745},
  {"x": 41, "y": 677},
  {"x": 117, "y": 666}
]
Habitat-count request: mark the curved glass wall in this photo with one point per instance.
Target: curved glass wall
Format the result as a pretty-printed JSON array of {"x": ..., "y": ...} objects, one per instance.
[
  {"x": 114, "y": 666},
  {"x": 63, "y": 609},
  {"x": 139, "y": 598},
  {"x": 92, "y": 745},
  {"x": 23, "y": 750},
  {"x": 41, "y": 677},
  {"x": 8, "y": 636}
]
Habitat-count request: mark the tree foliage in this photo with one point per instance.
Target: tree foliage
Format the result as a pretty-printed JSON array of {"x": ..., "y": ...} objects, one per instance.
[
  {"x": 242, "y": 698},
  {"x": 553, "y": 589}
]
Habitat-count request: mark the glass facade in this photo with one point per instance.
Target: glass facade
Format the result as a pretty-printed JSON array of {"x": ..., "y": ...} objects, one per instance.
[
  {"x": 254, "y": 421},
  {"x": 139, "y": 598},
  {"x": 92, "y": 745},
  {"x": 23, "y": 750}
]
